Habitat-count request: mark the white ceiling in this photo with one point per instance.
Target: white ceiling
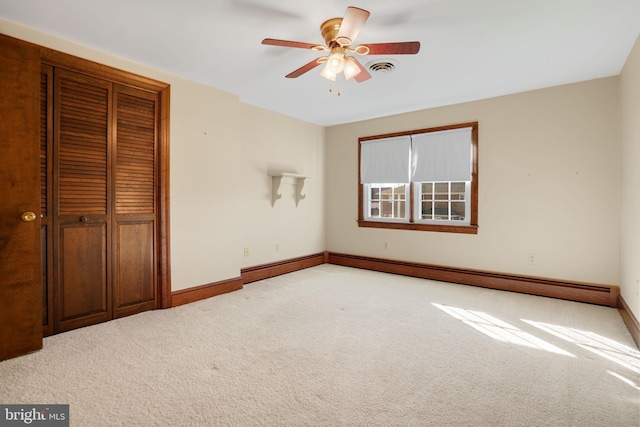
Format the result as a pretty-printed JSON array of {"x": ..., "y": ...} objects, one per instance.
[{"x": 471, "y": 49}]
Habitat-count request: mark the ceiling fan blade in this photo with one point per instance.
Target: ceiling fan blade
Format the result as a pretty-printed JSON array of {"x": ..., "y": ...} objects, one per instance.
[
  {"x": 289, "y": 43},
  {"x": 363, "y": 75},
  {"x": 353, "y": 20},
  {"x": 306, "y": 67},
  {"x": 402, "y": 48}
]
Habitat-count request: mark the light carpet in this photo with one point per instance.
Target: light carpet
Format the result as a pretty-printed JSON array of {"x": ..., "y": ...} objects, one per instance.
[{"x": 335, "y": 346}]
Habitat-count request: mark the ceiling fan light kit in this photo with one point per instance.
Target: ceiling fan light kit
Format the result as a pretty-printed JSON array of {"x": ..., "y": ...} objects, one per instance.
[
  {"x": 336, "y": 60},
  {"x": 328, "y": 74},
  {"x": 339, "y": 34},
  {"x": 350, "y": 67}
]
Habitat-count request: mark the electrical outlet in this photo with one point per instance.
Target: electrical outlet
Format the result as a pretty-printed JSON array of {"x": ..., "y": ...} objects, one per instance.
[
  {"x": 246, "y": 251},
  {"x": 385, "y": 245},
  {"x": 532, "y": 259}
]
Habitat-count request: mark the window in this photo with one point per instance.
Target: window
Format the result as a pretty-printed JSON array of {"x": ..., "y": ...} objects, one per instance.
[
  {"x": 420, "y": 180},
  {"x": 388, "y": 201},
  {"x": 443, "y": 201}
]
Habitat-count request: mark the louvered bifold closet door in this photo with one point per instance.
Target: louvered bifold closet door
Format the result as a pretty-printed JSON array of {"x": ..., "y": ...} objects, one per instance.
[
  {"x": 82, "y": 162},
  {"x": 135, "y": 178}
]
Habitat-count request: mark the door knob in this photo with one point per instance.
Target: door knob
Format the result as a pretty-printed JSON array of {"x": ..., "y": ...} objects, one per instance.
[
  {"x": 28, "y": 216},
  {"x": 84, "y": 219}
]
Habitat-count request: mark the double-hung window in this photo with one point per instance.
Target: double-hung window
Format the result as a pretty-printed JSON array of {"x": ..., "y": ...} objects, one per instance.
[{"x": 420, "y": 180}]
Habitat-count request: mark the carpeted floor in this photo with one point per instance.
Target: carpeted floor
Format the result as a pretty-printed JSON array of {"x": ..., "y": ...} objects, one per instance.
[{"x": 334, "y": 346}]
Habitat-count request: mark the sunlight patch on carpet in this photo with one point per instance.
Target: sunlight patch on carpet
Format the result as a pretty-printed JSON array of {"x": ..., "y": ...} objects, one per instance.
[
  {"x": 595, "y": 343},
  {"x": 499, "y": 330},
  {"x": 624, "y": 379}
]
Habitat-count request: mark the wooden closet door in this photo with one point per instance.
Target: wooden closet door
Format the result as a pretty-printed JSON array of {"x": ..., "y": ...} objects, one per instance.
[
  {"x": 135, "y": 189},
  {"x": 20, "y": 306},
  {"x": 82, "y": 113}
]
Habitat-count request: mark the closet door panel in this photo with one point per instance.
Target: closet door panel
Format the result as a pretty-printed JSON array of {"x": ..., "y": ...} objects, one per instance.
[
  {"x": 83, "y": 289},
  {"x": 82, "y": 111},
  {"x": 134, "y": 284},
  {"x": 135, "y": 145},
  {"x": 135, "y": 178}
]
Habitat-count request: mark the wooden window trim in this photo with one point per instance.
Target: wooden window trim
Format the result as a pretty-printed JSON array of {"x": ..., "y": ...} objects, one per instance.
[{"x": 472, "y": 228}]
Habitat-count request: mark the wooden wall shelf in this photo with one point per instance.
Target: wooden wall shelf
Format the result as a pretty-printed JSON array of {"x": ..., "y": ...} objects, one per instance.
[{"x": 287, "y": 178}]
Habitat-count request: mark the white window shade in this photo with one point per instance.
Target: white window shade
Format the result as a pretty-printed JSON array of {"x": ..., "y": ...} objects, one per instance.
[
  {"x": 385, "y": 160},
  {"x": 441, "y": 156}
]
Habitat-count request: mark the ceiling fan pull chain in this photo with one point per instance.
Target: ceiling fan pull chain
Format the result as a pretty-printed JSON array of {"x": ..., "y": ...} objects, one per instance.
[{"x": 337, "y": 93}]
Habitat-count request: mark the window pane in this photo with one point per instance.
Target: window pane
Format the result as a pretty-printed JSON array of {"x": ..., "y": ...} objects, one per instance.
[
  {"x": 386, "y": 193},
  {"x": 457, "y": 190},
  {"x": 427, "y": 210},
  {"x": 427, "y": 191},
  {"x": 375, "y": 193},
  {"x": 375, "y": 209},
  {"x": 457, "y": 211},
  {"x": 386, "y": 210},
  {"x": 441, "y": 210},
  {"x": 442, "y": 191}
]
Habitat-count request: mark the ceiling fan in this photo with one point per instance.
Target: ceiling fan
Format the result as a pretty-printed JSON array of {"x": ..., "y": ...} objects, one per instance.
[{"x": 339, "y": 35}]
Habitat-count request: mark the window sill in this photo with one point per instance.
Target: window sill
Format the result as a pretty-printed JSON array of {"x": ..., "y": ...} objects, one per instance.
[{"x": 464, "y": 229}]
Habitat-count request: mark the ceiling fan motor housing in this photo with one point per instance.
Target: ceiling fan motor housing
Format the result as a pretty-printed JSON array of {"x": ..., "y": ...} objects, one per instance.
[{"x": 330, "y": 29}]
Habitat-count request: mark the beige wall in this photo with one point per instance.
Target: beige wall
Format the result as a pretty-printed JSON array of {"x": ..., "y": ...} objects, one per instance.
[
  {"x": 630, "y": 212},
  {"x": 548, "y": 185},
  {"x": 204, "y": 202},
  {"x": 271, "y": 143},
  {"x": 219, "y": 188}
]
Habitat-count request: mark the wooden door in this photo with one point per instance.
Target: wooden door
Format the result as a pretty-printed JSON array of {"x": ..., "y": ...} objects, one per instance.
[
  {"x": 20, "y": 292},
  {"x": 81, "y": 222},
  {"x": 101, "y": 237},
  {"x": 135, "y": 194}
]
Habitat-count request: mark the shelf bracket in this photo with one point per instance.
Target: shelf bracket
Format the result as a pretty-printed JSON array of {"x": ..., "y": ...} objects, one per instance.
[{"x": 289, "y": 178}]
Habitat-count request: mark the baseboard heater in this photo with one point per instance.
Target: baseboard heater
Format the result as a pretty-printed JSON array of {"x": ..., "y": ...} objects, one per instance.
[
  {"x": 572, "y": 291},
  {"x": 264, "y": 271}
]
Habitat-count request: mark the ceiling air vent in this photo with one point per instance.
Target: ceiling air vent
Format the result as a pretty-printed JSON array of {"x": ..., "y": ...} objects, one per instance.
[{"x": 381, "y": 66}]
